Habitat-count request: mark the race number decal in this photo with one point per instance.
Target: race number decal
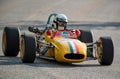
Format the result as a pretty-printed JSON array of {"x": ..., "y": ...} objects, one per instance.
[{"x": 65, "y": 34}]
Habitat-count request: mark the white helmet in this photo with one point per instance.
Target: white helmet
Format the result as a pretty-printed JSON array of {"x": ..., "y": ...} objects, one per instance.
[{"x": 61, "y": 21}]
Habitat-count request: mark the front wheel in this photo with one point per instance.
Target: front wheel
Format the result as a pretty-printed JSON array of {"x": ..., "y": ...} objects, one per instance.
[
  {"x": 27, "y": 48},
  {"x": 105, "y": 51}
]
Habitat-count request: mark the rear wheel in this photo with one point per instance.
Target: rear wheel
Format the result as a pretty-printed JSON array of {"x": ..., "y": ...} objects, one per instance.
[
  {"x": 27, "y": 48},
  {"x": 86, "y": 37},
  {"x": 10, "y": 41},
  {"x": 105, "y": 51}
]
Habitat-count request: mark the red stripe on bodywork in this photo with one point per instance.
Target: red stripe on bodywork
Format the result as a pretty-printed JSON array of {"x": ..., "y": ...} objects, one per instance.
[{"x": 77, "y": 48}]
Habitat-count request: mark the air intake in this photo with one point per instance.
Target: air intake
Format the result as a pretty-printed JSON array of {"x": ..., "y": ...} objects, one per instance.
[{"x": 74, "y": 56}]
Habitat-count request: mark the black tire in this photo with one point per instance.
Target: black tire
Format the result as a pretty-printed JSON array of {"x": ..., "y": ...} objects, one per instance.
[
  {"x": 105, "y": 51},
  {"x": 27, "y": 48},
  {"x": 10, "y": 41},
  {"x": 86, "y": 37}
]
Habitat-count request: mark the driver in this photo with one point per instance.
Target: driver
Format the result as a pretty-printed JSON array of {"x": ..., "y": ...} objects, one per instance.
[{"x": 60, "y": 22}]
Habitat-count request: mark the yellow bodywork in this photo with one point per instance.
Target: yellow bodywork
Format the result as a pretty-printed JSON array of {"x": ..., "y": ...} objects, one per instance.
[{"x": 62, "y": 50}]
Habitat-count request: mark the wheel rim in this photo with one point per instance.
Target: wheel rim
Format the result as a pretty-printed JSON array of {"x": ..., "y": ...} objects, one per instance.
[
  {"x": 4, "y": 42},
  {"x": 22, "y": 47},
  {"x": 99, "y": 51}
]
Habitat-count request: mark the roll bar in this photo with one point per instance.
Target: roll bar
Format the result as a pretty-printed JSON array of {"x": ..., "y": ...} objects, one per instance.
[{"x": 53, "y": 14}]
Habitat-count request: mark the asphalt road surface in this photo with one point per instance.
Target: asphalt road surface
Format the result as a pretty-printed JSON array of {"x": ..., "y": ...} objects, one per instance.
[{"x": 102, "y": 17}]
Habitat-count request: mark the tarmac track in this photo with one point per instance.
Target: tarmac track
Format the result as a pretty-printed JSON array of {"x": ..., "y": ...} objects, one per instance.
[{"x": 100, "y": 16}]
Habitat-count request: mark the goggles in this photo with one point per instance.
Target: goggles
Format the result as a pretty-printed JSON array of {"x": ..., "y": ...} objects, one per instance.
[{"x": 62, "y": 24}]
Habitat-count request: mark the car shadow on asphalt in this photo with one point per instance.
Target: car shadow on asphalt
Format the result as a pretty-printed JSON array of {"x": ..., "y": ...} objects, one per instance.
[
  {"x": 9, "y": 60},
  {"x": 40, "y": 62}
]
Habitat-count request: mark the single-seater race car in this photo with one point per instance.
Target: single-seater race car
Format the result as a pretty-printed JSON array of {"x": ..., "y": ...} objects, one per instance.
[{"x": 69, "y": 45}]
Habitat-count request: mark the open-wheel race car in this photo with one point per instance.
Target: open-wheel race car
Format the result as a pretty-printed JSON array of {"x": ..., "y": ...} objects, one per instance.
[{"x": 68, "y": 45}]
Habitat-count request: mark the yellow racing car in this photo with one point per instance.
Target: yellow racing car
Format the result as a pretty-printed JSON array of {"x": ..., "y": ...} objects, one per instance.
[{"x": 68, "y": 45}]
